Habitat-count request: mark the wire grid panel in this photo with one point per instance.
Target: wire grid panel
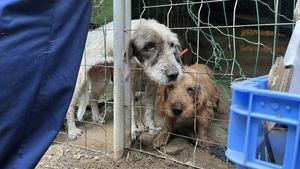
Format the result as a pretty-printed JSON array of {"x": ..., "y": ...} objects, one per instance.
[
  {"x": 97, "y": 98},
  {"x": 237, "y": 40}
]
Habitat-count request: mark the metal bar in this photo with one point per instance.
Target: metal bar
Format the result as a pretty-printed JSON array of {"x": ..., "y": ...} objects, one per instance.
[
  {"x": 181, "y": 4},
  {"x": 127, "y": 83},
  {"x": 233, "y": 33},
  {"x": 119, "y": 25},
  {"x": 275, "y": 30},
  {"x": 168, "y": 14},
  {"x": 198, "y": 32},
  {"x": 227, "y": 26},
  {"x": 258, "y": 39},
  {"x": 236, "y": 26},
  {"x": 144, "y": 9}
]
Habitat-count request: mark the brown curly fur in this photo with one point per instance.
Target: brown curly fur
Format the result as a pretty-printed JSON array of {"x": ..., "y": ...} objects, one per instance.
[{"x": 199, "y": 96}]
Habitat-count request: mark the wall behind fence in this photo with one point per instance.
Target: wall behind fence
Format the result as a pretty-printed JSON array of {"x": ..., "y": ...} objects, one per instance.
[{"x": 250, "y": 33}]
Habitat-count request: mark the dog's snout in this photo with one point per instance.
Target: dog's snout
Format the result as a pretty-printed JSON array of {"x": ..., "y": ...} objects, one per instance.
[
  {"x": 172, "y": 73},
  {"x": 177, "y": 108}
]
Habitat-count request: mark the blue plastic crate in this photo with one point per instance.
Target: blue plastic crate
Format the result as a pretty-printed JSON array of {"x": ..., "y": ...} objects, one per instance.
[{"x": 252, "y": 104}]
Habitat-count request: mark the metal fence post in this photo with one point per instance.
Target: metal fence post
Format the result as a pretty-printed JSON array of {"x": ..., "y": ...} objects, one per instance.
[
  {"x": 127, "y": 83},
  {"x": 119, "y": 35}
]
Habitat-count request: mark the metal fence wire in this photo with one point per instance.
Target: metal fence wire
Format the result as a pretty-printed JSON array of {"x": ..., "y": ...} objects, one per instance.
[
  {"x": 235, "y": 39},
  {"x": 97, "y": 135}
]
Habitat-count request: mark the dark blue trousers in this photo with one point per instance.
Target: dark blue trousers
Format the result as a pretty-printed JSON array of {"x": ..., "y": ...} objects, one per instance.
[{"x": 41, "y": 46}]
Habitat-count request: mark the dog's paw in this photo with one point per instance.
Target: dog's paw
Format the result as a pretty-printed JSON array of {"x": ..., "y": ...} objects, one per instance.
[
  {"x": 74, "y": 133},
  {"x": 134, "y": 133},
  {"x": 160, "y": 140},
  {"x": 204, "y": 145},
  {"x": 155, "y": 130},
  {"x": 203, "y": 142},
  {"x": 97, "y": 118}
]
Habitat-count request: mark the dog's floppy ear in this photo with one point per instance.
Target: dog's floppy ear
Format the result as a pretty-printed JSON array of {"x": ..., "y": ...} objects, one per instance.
[
  {"x": 162, "y": 99},
  {"x": 203, "y": 101},
  {"x": 163, "y": 94},
  {"x": 128, "y": 55},
  {"x": 200, "y": 96},
  {"x": 219, "y": 103}
]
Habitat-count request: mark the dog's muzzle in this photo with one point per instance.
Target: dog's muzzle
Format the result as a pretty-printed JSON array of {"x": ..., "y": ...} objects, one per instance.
[
  {"x": 177, "y": 108},
  {"x": 172, "y": 73}
]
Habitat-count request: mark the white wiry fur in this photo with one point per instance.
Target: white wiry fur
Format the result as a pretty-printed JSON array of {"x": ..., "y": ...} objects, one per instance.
[
  {"x": 99, "y": 42},
  {"x": 155, "y": 68}
]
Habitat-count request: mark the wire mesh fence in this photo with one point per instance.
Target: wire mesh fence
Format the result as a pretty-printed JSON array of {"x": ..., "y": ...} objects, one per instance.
[
  {"x": 235, "y": 39},
  {"x": 93, "y": 107}
]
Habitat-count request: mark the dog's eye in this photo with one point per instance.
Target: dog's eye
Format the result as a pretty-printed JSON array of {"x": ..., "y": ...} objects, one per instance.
[
  {"x": 170, "y": 87},
  {"x": 150, "y": 46},
  {"x": 190, "y": 89},
  {"x": 172, "y": 45}
]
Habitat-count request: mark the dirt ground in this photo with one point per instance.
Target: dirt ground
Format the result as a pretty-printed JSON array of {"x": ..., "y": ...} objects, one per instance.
[
  {"x": 65, "y": 156},
  {"x": 94, "y": 149},
  {"x": 62, "y": 156}
]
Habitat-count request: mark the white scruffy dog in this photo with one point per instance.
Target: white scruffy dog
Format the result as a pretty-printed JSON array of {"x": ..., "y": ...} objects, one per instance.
[
  {"x": 155, "y": 49},
  {"x": 152, "y": 47}
]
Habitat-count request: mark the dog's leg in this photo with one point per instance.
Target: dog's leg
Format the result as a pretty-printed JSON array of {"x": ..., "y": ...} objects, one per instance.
[
  {"x": 83, "y": 102},
  {"x": 98, "y": 85},
  {"x": 149, "y": 115},
  {"x": 134, "y": 115},
  {"x": 202, "y": 126},
  {"x": 161, "y": 138},
  {"x": 73, "y": 131},
  {"x": 134, "y": 119}
]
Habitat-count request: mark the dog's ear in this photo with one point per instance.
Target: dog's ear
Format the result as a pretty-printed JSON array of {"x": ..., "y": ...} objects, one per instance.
[
  {"x": 163, "y": 94},
  {"x": 128, "y": 55},
  {"x": 200, "y": 96},
  {"x": 220, "y": 105},
  {"x": 162, "y": 99},
  {"x": 203, "y": 101}
]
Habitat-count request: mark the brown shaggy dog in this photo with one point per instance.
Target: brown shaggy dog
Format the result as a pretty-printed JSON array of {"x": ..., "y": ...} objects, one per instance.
[{"x": 195, "y": 96}]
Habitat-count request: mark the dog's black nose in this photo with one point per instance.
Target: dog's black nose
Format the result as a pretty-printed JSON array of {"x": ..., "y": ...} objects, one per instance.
[
  {"x": 177, "y": 108},
  {"x": 172, "y": 73}
]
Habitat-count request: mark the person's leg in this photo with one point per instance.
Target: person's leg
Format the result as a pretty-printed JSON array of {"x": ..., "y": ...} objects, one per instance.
[{"x": 41, "y": 45}]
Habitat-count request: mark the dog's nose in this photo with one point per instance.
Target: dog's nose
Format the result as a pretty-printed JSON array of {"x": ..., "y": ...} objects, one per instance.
[
  {"x": 172, "y": 73},
  {"x": 177, "y": 108}
]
